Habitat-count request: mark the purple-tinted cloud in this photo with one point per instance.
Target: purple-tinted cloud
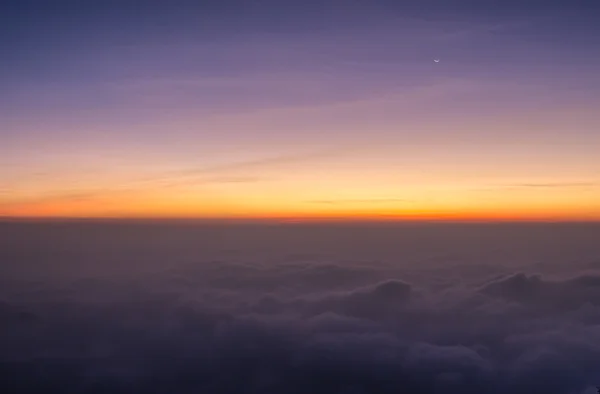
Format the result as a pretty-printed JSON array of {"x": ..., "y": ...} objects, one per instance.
[{"x": 152, "y": 308}]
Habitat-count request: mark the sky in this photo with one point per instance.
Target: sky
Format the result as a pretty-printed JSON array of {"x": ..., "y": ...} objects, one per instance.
[{"x": 308, "y": 109}]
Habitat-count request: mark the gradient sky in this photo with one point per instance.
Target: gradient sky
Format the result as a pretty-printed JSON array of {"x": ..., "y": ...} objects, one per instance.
[{"x": 300, "y": 109}]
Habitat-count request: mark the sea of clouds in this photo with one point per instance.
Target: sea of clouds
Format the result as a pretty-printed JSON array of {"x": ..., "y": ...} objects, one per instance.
[{"x": 157, "y": 308}]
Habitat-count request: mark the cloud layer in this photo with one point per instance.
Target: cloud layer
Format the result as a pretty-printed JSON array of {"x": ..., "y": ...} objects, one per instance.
[{"x": 160, "y": 309}]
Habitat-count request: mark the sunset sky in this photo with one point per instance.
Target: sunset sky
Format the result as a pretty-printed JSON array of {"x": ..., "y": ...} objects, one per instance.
[{"x": 295, "y": 109}]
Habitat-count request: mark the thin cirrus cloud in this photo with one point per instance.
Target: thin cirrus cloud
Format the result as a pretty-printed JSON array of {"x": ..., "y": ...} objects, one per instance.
[
  {"x": 588, "y": 185},
  {"x": 361, "y": 201},
  {"x": 551, "y": 185},
  {"x": 164, "y": 186}
]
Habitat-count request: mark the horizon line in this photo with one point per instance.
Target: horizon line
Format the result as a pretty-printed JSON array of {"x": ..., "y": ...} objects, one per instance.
[{"x": 293, "y": 220}]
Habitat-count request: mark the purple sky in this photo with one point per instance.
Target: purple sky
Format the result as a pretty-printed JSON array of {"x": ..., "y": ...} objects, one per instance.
[{"x": 256, "y": 108}]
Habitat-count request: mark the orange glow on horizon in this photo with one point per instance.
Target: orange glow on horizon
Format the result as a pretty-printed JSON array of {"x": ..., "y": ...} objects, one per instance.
[
  {"x": 163, "y": 211},
  {"x": 307, "y": 197}
]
